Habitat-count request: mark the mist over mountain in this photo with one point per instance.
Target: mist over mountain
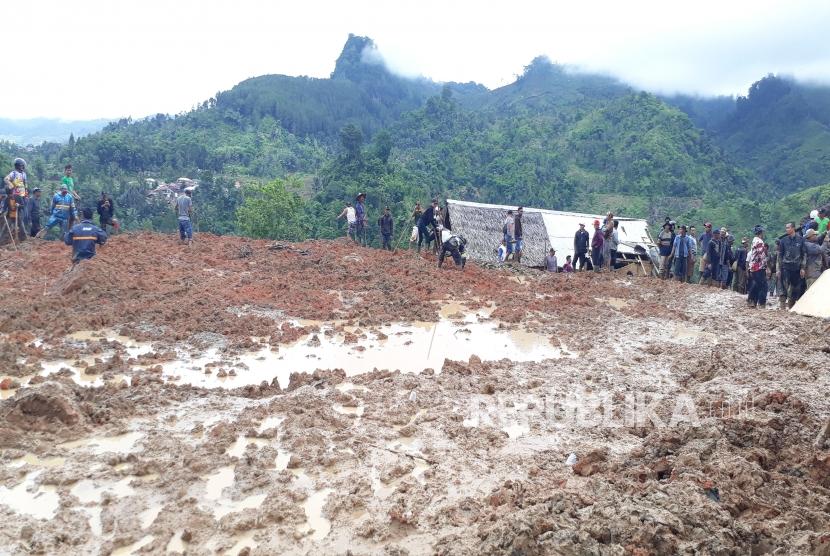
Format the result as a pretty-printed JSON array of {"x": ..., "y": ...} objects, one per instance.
[{"x": 555, "y": 138}]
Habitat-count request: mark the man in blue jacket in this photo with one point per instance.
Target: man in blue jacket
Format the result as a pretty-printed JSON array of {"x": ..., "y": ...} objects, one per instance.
[
  {"x": 63, "y": 206},
  {"x": 84, "y": 236}
]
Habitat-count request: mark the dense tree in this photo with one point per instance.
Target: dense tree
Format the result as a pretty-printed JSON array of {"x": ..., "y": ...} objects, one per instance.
[
  {"x": 553, "y": 138},
  {"x": 273, "y": 210}
]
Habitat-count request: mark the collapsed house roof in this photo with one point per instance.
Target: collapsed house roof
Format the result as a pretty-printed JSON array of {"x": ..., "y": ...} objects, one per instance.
[{"x": 542, "y": 229}]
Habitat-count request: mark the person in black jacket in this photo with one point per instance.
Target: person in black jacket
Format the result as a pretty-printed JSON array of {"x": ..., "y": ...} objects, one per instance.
[
  {"x": 792, "y": 265},
  {"x": 84, "y": 236},
  {"x": 518, "y": 235},
  {"x": 106, "y": 210},
  {"x": 580, "y": 247},
  {"x": 386, "y": 226},
  {"x": 34, "y": 211},
  {"x": 739, "y": 282},
  {"x": 426, "y": 219}
]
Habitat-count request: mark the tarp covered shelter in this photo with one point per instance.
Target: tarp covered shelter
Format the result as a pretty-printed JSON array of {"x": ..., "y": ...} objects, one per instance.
[
  {"x": 482, "y": 224},
  {"x": 816, "y": 301}
]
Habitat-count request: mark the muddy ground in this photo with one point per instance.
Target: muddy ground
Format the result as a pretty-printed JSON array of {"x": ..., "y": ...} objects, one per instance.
[{"x": 149, "y": 406}]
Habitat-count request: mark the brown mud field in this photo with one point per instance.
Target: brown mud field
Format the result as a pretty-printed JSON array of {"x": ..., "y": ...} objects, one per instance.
[{"x": 250, "y": 397}]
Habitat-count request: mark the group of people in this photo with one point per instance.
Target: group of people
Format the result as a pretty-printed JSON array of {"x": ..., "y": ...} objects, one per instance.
[
  {"x": 20, "y": 213},
  {"x": 754, "y": 268},
  {"x": 602, "y": 245},
  {"x": 428, "y": 229}
]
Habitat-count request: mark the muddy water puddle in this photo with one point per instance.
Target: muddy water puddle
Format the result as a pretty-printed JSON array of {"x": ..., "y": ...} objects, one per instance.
[
  {"x": 405, "y": 347},
  {"x": 408, "y": 347},
  {"x": 316, "y": 525},
  {"x": 122, "y": 443},
  {"x": 88, "y": 491},
  {"x": 36, "y": 461},
  {"x": 38, "y": 501}
]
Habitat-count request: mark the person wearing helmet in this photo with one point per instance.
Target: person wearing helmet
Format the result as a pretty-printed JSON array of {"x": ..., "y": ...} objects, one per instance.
[
  {"x": 63, "y": 208},
  {"x": 16, "y": 189},
  {"x": 17, "y": 182}
]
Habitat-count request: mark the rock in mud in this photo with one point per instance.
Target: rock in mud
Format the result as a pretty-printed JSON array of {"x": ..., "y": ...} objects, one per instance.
[{"x": 50, "y": 405}]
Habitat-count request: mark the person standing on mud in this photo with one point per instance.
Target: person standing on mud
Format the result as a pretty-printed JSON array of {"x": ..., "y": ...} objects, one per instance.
[
  {"x": 727, "y": 258},
  {"x": 773, "y": 286},
  {"x": 349, "y": 214},
  {"x": 816, "y": 258},
  {"x": 416, "y": 213},
  {"x": 792, "y": 265},
  {"x": 507, "y": 230},
  {"x": 692, "y": 266},
  {"x": 34, "y": 211},
  {"x": 597, "y": 243},
  {"x": 680, "y": 253},
  {"x": 518, "y": 235},
  {"x": 703, "y": 248},
  {"x": 360, "y": 218},
  {"x": 69, "y": 182},
  {"x": 63, "y": 211},
  {"x": 551, "y": 264},
  {"x": 580, "y": 247},
  {"x": 756, "y": 264},
  {"x": 387, "y": 227},
  {"x": 665, "y": 242},
  {"x": 713, "y": 249},
  {"x": 184, "y": 211},
  {"x": 15, "y": 203},
  {"x": 426, "y": 220},
  {"x": 740, "y": 279},
  {"x": 106, "y": 211}
]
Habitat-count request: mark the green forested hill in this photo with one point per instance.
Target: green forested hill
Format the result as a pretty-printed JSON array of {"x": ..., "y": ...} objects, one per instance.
[
  {"x": 554, "y": 138},
  {"x": 780, "y": 130}
]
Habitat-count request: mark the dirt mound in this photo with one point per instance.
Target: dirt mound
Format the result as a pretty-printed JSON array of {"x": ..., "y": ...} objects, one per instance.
[
  {"x": 52, "y": 405},
  {"x": 92, "y": 275}
]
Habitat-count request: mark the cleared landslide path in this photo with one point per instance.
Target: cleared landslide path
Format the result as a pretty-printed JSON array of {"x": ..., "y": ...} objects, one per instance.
[{"x": 242, "y": 396}]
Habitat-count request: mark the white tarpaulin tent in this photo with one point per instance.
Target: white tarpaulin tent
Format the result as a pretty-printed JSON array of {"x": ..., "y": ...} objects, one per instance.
[
  {"x": 816, "y": 301},
  {"x": 481, "y": 224}
]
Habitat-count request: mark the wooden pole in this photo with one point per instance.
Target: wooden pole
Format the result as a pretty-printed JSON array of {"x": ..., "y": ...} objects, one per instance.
[{"x": 9, "y": 229}]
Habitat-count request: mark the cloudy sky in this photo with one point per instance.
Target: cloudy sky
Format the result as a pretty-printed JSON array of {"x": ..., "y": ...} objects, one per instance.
[{"x": 106, "y": 58}]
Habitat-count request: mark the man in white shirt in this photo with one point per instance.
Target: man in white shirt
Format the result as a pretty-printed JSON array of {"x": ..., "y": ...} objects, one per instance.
[{"x": 351, "y": 219}]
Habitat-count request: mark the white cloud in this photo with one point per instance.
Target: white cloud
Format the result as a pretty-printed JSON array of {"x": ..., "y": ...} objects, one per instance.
[{"x": 101, "y": 58}]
